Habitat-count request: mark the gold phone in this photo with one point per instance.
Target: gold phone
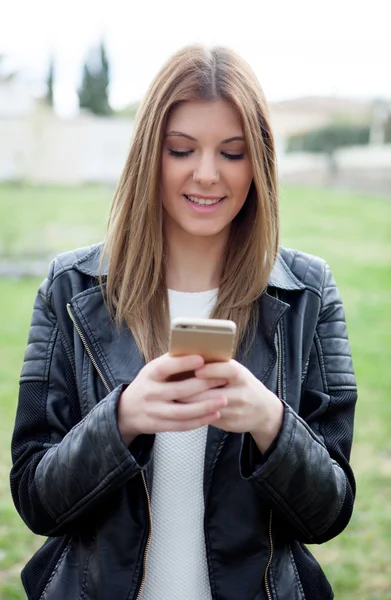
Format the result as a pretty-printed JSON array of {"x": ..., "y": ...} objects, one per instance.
[{"x": 214, "y": 339}]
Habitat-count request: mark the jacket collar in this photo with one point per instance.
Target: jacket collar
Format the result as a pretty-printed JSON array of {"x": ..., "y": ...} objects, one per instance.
[{"x": 281, "y": 276}]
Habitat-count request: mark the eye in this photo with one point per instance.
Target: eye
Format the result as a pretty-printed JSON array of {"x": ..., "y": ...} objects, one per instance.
[
  {"x": 233, "y": 156},
  {"x": 179, "y": 153}
]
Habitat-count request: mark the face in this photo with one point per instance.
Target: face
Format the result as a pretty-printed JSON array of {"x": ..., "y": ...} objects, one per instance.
[{"x": 206, "y": 171}]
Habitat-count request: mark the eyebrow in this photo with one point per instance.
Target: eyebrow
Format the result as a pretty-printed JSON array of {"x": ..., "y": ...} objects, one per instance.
[{"x": 236, "y": 138}]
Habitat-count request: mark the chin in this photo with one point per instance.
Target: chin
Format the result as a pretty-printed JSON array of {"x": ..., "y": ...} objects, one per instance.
[{"x": 206, "y": 231}]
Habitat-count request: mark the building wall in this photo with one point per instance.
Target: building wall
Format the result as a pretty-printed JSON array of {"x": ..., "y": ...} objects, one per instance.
[{"x": 42, "y": 148}]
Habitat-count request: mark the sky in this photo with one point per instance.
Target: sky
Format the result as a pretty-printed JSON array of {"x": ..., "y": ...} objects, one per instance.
[{"x": 296, "y": 47}]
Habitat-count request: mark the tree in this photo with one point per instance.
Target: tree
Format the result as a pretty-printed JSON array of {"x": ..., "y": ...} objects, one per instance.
[
  {"x": 50, "y": 83},
  {"x": 94, "y": 91},
  {"x": 329, "y": 138}
]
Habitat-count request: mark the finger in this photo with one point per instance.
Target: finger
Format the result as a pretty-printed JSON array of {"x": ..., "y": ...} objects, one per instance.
[
  {"x": 189, "y": 412},
  {"x": 229, "y": 370},
  {"x": 163, "y": 367},
  {"x": 191, "y": 424},
  {"x": 186, "y": 412},
  {"x": 207, "y": 395},
  {"x": 190, "y": 387}
]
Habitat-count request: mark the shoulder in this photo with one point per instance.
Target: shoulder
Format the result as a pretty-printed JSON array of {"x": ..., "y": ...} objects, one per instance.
[
  {"x": 85, "y": 259},
  {"x": 297, "y": 270},
  {"x": 72, "y": 272}
]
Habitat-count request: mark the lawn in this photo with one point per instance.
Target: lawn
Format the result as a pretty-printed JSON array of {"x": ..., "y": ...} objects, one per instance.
[
  {"x": 353, "y": 233},
  {"x": 40, "y": 221}
]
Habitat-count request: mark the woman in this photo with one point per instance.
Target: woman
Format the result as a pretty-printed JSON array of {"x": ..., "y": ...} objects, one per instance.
[{"x": 208, "y": 487}]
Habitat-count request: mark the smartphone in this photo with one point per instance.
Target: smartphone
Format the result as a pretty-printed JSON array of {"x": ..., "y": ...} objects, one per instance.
[{"x": 214, "y": 339}]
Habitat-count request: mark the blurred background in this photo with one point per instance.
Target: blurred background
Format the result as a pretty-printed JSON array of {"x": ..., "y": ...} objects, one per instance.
[{"x": 71, "y": 79}]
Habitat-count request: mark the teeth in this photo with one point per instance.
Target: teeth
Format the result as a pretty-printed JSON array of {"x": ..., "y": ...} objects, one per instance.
[{"x": 203, "y": 201}]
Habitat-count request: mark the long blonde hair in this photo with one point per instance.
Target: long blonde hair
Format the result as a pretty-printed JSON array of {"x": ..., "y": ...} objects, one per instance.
[{"x": 136, "y": 290}]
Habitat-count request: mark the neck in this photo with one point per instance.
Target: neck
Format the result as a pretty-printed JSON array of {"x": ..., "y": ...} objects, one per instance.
[{"x": 194, "y": 264}]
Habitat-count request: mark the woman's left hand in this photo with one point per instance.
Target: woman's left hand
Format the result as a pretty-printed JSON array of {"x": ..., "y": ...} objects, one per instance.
[{"x": 251, "y": 406}]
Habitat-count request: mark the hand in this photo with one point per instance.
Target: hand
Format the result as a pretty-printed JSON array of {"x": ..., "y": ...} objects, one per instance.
[
  {"x": 251, "y": 407},
  {"x": 150, "y": 403}
]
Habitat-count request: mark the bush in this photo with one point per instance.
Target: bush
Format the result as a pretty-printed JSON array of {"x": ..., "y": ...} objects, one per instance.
[{"x": 329, "y": 138}]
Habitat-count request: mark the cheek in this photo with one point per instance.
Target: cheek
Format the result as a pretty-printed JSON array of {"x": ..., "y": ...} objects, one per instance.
[
  {"x": 174, "y": 173},
  {"x": 166, "y": 175},
  {"x": 241, "y": 180}
]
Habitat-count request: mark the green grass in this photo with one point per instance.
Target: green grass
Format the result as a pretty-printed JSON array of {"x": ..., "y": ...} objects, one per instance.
[
  {"x": 41, "y": 221},
  {"x": 353, "y": 233}
]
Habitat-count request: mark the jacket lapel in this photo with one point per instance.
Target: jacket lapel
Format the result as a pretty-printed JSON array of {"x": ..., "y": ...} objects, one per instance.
[
  {"x": 116, "y": 348},
  {"x": 261, "y": 356},
  {"x": 260, "y": 359}
]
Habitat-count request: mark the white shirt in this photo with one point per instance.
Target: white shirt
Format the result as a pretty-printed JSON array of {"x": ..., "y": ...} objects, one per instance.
[{"x": 176, "y": 561}]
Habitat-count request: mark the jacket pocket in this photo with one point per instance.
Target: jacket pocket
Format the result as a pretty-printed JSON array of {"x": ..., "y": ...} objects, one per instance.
[
  {"x": 284, "y": 580},
  {"x": 69, "y": 576},
  {"x": 313, "y": 580},
  {"x": 45, "y": 594},
  {"x": 39, "y": 570}
]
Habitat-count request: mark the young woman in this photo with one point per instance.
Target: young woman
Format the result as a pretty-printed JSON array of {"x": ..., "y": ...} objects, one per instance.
[{"x": 208, "y": 487}]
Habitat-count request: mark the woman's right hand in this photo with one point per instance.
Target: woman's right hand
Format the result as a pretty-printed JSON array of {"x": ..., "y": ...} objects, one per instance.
[{"x": 151, "y": 404}]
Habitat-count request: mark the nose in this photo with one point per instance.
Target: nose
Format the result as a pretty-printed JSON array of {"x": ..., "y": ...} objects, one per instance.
[{"x": 207, "y": 173}]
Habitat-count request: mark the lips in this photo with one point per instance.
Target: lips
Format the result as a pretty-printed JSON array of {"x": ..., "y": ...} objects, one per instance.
[{"x": 204, "y": 201}]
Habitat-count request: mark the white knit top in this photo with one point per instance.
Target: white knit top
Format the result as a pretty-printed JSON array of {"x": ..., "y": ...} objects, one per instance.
[{"x": 176, "y": 561}]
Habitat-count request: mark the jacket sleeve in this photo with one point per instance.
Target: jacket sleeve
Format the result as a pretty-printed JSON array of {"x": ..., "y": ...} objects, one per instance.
[
  {"x": 306, "y": 477},
  {"x": 63, "y": 465}
]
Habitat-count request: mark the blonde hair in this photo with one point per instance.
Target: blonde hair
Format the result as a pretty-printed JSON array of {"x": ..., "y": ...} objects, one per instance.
[{"x": 136, "y": 290}]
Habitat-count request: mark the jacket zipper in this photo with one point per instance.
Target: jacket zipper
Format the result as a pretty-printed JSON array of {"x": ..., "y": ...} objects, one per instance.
[
  {"x": 148, "y": 543},
  {"x": 89, "y": 352},
  {"x": 99, "y": 371},
  {"x": 279, "y": 390},
  {"x": 267, "y": 587}
]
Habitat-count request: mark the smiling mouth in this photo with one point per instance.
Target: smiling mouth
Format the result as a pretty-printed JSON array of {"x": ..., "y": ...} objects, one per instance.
[{"x": 204, "y": 201}]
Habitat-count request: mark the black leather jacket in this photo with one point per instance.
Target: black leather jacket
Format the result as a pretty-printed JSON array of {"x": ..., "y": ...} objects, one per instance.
[{"x": 75, "y": 481}]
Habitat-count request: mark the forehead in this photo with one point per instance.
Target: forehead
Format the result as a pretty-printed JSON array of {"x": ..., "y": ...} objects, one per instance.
[{"x": 197, "y": 117}]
